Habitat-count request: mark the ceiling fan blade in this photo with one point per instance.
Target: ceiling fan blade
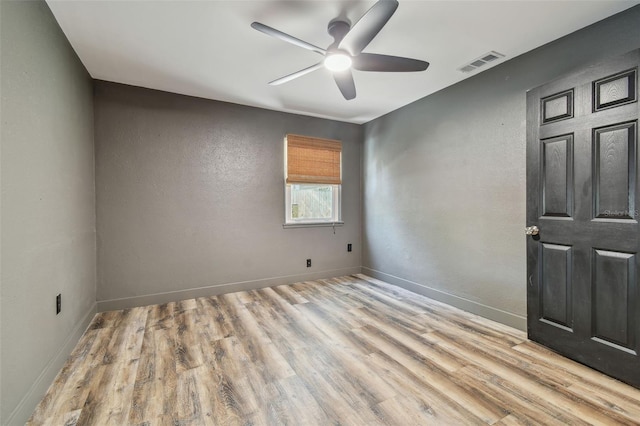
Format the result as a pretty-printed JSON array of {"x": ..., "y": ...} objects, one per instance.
[
  {"x": 344, "y": 80},
  {"x": 295, "y": 75},
  {"x": 286, "y": 37},
  {"x": 386, "y": 63},
  {"x": 363, "y": 31}
]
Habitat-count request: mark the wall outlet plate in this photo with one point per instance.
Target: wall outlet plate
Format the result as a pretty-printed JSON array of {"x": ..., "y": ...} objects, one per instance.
[
  {"x": 58, "y": 303},
  {"x": 308, "y": 263}
]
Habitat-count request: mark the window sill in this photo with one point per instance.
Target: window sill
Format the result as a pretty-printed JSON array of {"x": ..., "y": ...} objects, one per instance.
[{"x": 311, "y": 224}]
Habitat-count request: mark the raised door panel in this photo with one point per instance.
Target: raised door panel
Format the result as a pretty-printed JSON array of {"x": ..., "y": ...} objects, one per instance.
[
  {"x": 614, "y": 171},
  {"x": 614, "y": 290},
  {"x": 556, "y": 285},
  {"x": 615, "y": 90},
  {"x": 557, "y": 176},
  {"x": 557, "y": 107}
]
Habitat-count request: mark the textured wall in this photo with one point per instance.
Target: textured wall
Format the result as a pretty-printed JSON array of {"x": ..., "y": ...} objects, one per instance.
[
  {"x": 190, "y": 194},
  {"x": 444, "y": 178},
  {"x": 48, "y": 203}
]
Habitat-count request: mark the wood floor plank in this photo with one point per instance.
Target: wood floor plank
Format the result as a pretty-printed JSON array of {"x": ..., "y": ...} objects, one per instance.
[
  {"x": 301, "y": 407},
  {"x": 154, "y": 394},
  {"x": 213, "y": 308},
  {"x": 109, "y": 402},
  {"x": 60, "y": 399},
  {"x": 419, "y": 397},
  {"x": 518, "y": 400},
  {"x": 509, "y": 334},
  {"x": 275, "y": 306},
  {"x": 105, "y": 319},
  {"x": 412, "y": 340},
  {"x": 229, "y": 404},
  {"x": 340, "y": 305},
  {"x": 188, "y": 397},
  {"x": 403, "y": 314},
  {"x": 94, "y": 389},
  {"x": 160, "y": 316},
  {"x": 599, "y": 382},
  {"x": 186, "y": 305},
  {"x": 515, "y": 420},
  {"x": 282, "y": 334},
  {"x": 257, "y": 345},
  {"x": 489, "y": 348},
  {"x": 145, "y": 379},
  {"x": 188, "y": 350},
  {"x": 289, "y": 295},
  {"x": 330, "y": 325},
  {"x": 344, "y": 351},
  {"x": 437, "y": 378},
  {"x": 610, "y": 401},
  {"x": 340, "y": 406},
  {"x": 341, "y": 361},
  {"x": 557, "y": 395}
]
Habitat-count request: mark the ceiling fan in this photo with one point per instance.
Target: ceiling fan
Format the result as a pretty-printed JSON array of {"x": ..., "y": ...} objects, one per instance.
[{"x": 346, "y": 50}]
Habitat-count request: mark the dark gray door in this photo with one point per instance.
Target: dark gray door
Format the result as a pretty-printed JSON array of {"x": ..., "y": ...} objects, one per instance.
[{"x": 583, "y": 195}]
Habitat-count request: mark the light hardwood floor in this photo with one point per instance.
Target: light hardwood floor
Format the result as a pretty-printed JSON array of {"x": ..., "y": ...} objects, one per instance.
[{"x": 350, "y": 351}]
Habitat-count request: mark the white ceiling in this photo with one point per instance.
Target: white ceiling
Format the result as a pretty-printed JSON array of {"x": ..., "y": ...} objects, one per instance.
[{"x": 208, "y": 49}]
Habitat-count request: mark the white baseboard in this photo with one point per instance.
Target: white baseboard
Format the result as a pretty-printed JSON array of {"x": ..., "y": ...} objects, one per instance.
[
  {"x": 504, "y": 317},
  {"x": 36, "y": 392},
  {"x": 174, "y": 296}
]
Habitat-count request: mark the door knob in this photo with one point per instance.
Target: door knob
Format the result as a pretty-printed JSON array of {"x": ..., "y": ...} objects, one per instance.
[{"x": 531, "y": 230}]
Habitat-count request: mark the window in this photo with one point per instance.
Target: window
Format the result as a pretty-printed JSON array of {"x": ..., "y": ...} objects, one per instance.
[{"x": 313, "y": 179}]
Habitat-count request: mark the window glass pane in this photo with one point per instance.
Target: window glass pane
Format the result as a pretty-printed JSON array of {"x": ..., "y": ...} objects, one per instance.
[{"x": 312, "y": 202}]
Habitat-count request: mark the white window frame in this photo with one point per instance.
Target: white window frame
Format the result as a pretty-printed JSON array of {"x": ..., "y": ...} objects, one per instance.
[{"x": 336, "y": 208}]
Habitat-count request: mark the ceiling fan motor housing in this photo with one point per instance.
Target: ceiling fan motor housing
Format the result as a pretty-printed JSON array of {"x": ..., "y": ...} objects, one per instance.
[{"x": 338, "y": 28}]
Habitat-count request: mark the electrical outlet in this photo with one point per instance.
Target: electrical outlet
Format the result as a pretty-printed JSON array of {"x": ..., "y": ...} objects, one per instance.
[
  {"x": 58, "y": 303},
  {"x": 308, "y": 263},
  {"x": 349, "y": 247}
]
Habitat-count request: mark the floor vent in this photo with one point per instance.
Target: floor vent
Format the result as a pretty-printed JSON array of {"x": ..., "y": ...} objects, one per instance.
[{"x": 481, "y": 61}]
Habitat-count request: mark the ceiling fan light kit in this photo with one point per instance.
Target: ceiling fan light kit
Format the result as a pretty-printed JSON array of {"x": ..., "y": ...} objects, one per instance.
[
  {"x": 346, "y": 53},
  {"x": 337, "y": 62}
]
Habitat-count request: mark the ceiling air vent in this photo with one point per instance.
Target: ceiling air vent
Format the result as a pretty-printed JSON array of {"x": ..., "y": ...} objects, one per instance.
[{"x": 481, "y": 61}]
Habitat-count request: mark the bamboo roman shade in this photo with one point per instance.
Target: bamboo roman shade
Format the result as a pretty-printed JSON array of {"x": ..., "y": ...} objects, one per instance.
[{"x": 313, "y": 160}]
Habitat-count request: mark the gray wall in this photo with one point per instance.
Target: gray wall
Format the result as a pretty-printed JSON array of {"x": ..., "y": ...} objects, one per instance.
[
  {"x": 444, "y": 178},
  {"x": 48, "y": 204},
  {"x": 190, "y": 198}
]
